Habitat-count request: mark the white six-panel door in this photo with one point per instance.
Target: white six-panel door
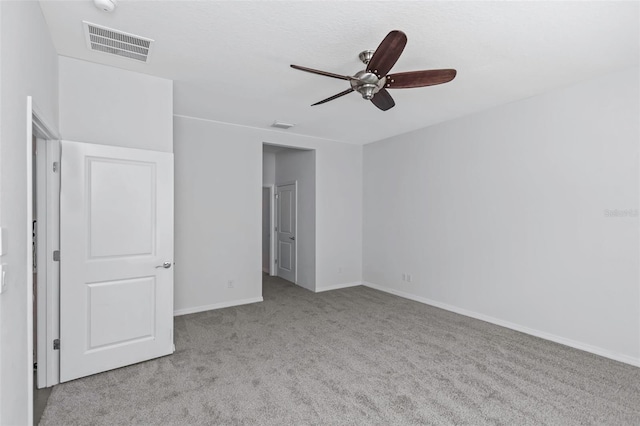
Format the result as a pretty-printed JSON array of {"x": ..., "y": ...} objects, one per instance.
[
  {"x": 286, "y": 222},
  {"x": 116, "y": 291}
]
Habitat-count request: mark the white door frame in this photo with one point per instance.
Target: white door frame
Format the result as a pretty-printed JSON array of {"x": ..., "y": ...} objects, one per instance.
[
  {"x": 36, "y": 126},
  {"x": 48, "y": 240},
  {"x": 272, "y": 227},
  {"x": 295, "y": 184}
]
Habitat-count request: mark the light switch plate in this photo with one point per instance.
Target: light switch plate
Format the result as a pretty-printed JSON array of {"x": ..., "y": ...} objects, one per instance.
[
  {"x": 2, "y": 249},
  {"x": 2, "y": 281}
]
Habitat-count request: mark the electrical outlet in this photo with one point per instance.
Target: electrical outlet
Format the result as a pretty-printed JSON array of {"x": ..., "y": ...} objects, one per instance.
[
  {"x": 409, "y": 278},
  {"x": 231, "y": 284}
]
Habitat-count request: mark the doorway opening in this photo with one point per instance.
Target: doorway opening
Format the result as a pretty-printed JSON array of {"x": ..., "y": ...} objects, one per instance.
[{"x": 289, "y": 214}]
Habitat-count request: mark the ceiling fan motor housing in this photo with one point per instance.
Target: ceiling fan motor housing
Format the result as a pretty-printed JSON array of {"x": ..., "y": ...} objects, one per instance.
[{"x": 367, "y": 84}]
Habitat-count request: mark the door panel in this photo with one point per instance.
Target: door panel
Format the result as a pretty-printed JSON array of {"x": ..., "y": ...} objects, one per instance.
[
  {"x": 121, "y": 208},
  {"x": 286, "y": 197},
  {"x": 286, "y": 256},
  {"x": 116, "y": 217},
  {"x": 286, "y": 222},
  {"x": 134, "y": 319}
]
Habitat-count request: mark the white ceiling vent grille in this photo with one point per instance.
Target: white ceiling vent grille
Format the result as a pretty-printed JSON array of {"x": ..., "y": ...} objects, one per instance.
[{"x": 114, "y": 42}]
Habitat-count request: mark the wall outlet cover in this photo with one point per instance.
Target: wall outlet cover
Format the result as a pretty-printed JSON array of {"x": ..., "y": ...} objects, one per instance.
[
  {"x": 2, "y": 279},
  {"x": 2, "y": 242}
]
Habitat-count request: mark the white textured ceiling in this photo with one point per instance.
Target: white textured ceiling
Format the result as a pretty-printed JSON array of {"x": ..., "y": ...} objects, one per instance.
[{"x": 230, "y": 59}]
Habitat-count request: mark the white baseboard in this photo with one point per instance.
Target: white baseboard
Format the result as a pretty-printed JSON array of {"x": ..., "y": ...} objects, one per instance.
[
  {"x": 533, "y": 332},
  {"x": 221, "y": 305},
  {"x": 337, "y": 286}
]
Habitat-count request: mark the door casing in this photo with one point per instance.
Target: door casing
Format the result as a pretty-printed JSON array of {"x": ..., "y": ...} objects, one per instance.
[
  {"x": 48, "y": 240},
  {"x": 272, "y": 220}
]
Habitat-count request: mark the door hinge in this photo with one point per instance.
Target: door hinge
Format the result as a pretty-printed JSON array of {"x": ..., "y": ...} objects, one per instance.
[
  {"x": 56, "y": 345},
  {"x": 276, "y": 227},
  {"x": 276, "y": 260},
  {"x": 277, "y": 195},
  {"x": 56, "y": 256},
  {"x": 56, "y": 167}
]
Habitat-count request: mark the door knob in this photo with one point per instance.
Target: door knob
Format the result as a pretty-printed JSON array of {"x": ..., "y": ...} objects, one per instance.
[
  {"x": 165, "y": 265},
  {"x": 292, "y": 238}
]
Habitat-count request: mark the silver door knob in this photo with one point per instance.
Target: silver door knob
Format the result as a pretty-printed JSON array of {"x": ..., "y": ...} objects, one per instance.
[
  {"x": 292, "y": 238},
  {"x": 165, "y": 265}
]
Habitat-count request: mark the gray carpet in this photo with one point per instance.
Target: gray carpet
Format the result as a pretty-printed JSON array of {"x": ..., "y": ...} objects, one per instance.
[{"x": 352, "y": 356}]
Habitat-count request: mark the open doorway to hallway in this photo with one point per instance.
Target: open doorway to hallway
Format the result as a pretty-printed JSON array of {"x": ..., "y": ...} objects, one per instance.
[{"x": 289, "y": 214}]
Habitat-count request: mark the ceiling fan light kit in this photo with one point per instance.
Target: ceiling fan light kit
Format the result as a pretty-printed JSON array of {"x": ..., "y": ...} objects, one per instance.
[{"x": 372, "y": 82}]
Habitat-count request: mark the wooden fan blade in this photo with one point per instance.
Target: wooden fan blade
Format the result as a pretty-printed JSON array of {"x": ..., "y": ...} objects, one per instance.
[
  {"x": 325, "y": 73},
  {"x": 405, "y": 80},
  {"x": 346, "y": 92},
  {"x": 383, "y": 100},
  {"x": 387, "y": 54}
]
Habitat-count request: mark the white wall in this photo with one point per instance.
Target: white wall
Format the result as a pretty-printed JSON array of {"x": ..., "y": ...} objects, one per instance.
[
  {"x": 28, "y": 66},
  {"x": 218, "y": 180},
  {"x": 293, "y": 165},
  {"x": 218, "y": 185},
  {"x": 269, "y": 168},
  {"x": 501, "y": 215},
  {"x": 111, "y": 106}
]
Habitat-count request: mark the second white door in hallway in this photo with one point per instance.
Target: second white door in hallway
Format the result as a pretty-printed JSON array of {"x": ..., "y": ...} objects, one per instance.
[{"x": 286, "y": 212}]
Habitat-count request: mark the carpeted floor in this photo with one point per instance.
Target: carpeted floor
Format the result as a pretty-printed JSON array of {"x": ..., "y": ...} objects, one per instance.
[{"x": 352, "y": 356}]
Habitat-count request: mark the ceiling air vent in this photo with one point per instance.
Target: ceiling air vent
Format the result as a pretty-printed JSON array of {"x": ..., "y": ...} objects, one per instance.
[
  {"x": 114, "y": 42},
  {"x": 281, "y": 125}
]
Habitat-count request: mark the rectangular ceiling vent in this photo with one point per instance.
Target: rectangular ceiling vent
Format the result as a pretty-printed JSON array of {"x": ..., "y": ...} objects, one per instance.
[
  {"x": 114, "y": 42},
  {"x": 281, "y": 125}
]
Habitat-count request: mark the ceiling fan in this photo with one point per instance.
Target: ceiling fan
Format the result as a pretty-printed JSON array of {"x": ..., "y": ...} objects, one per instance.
[{"x": 372, "y": 82}]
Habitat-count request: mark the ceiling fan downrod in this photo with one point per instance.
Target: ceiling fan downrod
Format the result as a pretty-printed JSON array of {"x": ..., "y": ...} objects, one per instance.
[{"x": 366, "y": 55}]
